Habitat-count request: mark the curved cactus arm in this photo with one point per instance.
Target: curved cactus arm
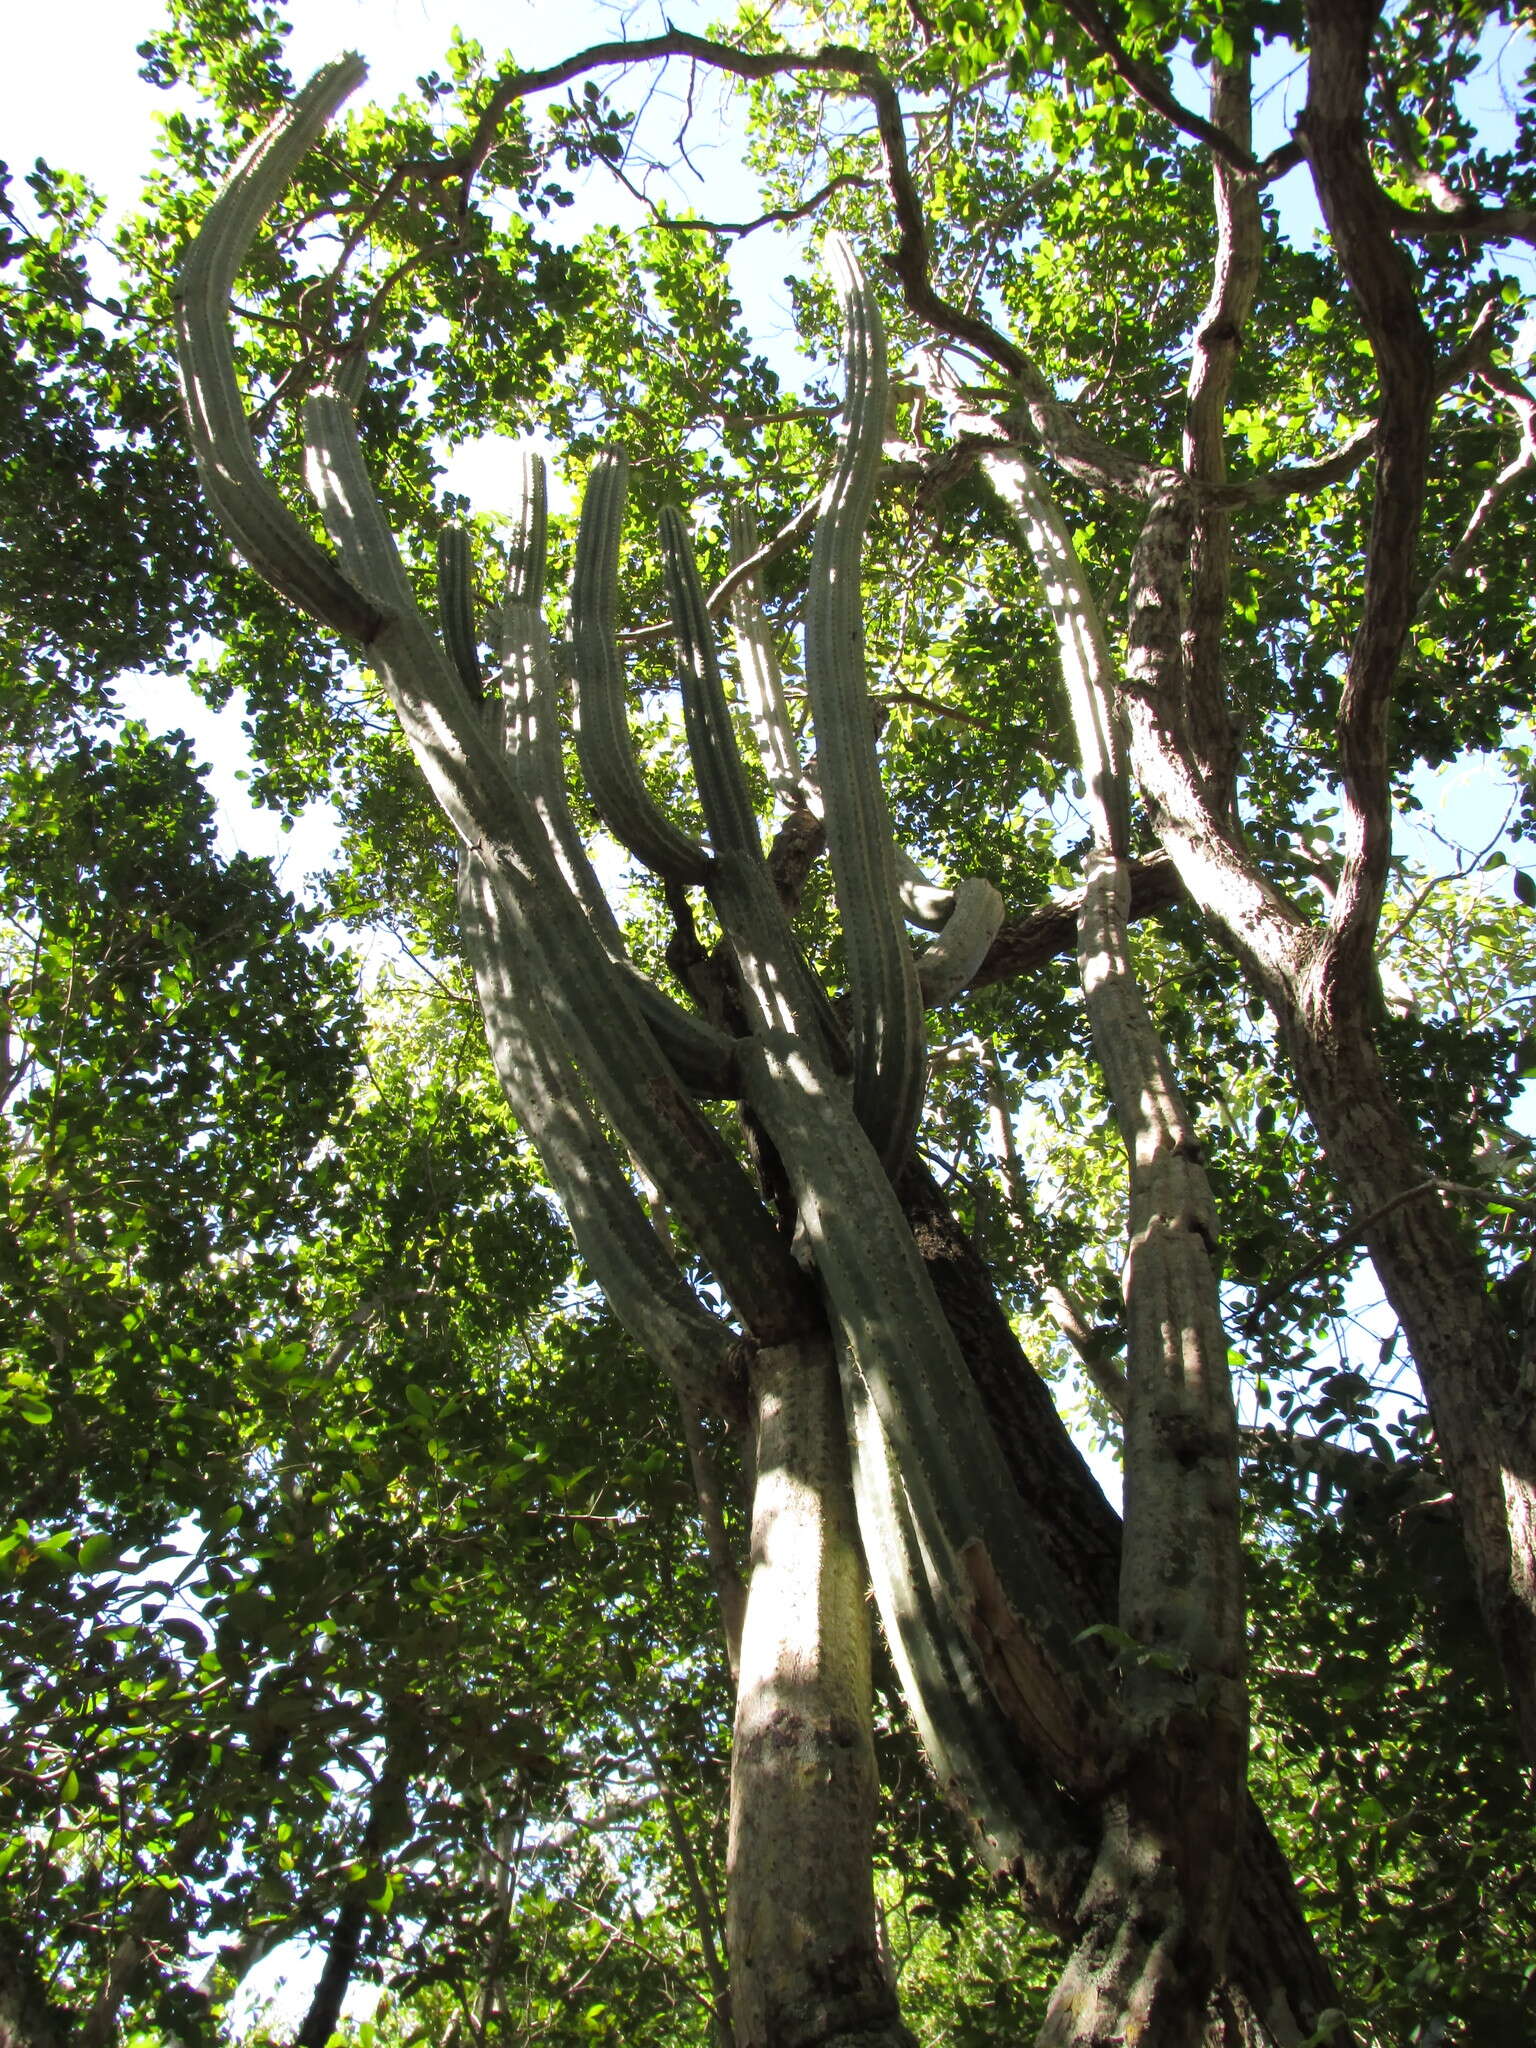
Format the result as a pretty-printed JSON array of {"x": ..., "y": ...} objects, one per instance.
[
  {"x": 781, "y": 991},
  {"x": 889, "y": 1064},
  {"x": 722, "y": 783},
  {"x": 603, "y": 740},
  {"x": 995, "y": 1579},
  {"x": 607, "y": 1219},
  {"x": 1018, "y": 1821},
  {"x": 530, "y": 696},
  {"x": 260, "y": 524},
  {"x": 341, "y": 486},
  {"x": 922, "y": 901},
  {"x": 947, "y": 966},
  {"x": 456, "y": 609},
  {"x": 603, "y": 1027},
  {"x": 762, "y": 680}
]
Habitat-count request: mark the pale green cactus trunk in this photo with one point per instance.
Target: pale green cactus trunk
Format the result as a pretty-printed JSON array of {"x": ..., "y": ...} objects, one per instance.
[
  {"x": 1016, "y": 1704},
  {"x": 1156, "y": 1909}
]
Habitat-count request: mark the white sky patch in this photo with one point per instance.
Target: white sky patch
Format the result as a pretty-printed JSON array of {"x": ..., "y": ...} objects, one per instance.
[
  {"x": 483, "y": 471},
  {"x": 168, "y": 704}
]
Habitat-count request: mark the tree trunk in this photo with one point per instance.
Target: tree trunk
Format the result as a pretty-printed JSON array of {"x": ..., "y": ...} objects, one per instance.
[
  {"x": 324, "y": 2015},
  {"x": 806, "y": 1969},
  {"x": 1482, "y": 1406}
]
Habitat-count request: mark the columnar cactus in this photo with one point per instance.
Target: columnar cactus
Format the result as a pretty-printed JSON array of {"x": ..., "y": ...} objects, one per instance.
[{"x": 1006, "y": 1690}]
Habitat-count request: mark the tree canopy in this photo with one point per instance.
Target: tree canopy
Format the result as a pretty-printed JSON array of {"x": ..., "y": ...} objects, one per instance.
[{"x": 411, "y": 1374}]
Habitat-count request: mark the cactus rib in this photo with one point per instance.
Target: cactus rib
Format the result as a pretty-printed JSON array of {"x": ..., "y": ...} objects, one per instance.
[
  {"x": 530, "y": 694},
  {"x": 886, "y": 1009},
  {"x": 636, "y": 1088},
  {"x": 603, "y": 741},
  {"x": 762, "y": 681},
  {"x": 993, "y": 1575},
  {"x": 260, "y": 524},
  {"x": 456, "y": 609},
  {"x": 723, "y": 795},
  {"x": 779, "y": 986},
  {"x": 610, "y": 1226},
  {"x": 1010, "y": 1808}
]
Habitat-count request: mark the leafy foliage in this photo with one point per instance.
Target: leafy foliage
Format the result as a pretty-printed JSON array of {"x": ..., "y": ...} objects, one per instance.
[{"x": 352, "y": 1567}]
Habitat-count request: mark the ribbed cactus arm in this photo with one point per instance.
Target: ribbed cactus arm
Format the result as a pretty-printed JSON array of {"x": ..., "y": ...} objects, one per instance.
[
  {"x": 722, "y": 785},
  {"x": 997, "y": 1582},
  {"x": 339, "y": 481},
  {"x": 889, "y": 1066},
  {"x": 603, "y": 740},
  {"x": 260, "y": 524},
  {"x": 530, "y": 693},
  {"x": 781, "y": 991},
  {"x": 637, "y": 1088},
  {"x": 762, "y": 680},
  {"x": 1016, "y": 1816},
  {"x": 614, "y": 1234},
  {"x": 456, "y": 609}
]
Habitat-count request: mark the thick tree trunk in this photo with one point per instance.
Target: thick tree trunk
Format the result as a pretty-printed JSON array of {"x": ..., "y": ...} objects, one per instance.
[
  {"x": 806, "y": 1969},
  {"x": 1482, "y": 1407}
]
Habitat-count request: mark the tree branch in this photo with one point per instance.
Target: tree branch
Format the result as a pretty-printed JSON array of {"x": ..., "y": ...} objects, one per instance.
[
  {"x": 1333, "y": 135},
  {"x": 1041, "y": 935},
  {"x": 776, "y": 216},
  {"x": 718, "y": 601},
  {"x": 1154, "y": 91},
  {"x": 1218, "y": 340}
]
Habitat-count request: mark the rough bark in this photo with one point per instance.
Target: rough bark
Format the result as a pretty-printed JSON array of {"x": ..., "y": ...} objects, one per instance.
[
  {"x": 1319, "y": 977},
  {"x": 1481, "y": 1404},
  {"x": 806, "y": 1968}
]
